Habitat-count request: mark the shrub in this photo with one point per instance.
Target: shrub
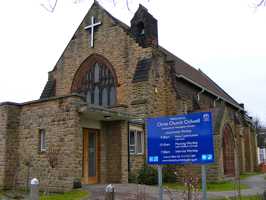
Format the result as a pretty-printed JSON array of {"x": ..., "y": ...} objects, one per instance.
[
  {"x": 169, "y": 174},
  {"x": 147, "y": 175},
  {"x": 132, "y": 178}
]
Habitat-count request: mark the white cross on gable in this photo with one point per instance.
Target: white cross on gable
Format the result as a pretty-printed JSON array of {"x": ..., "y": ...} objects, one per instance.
[{"x": 91, "y": 27}]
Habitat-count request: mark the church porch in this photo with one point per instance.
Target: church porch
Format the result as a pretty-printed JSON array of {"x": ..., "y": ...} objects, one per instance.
[{"x": 104, "y": 145}]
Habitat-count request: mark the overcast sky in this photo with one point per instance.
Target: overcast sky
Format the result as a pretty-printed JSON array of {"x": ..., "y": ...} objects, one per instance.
[{"x": 224, "y": 38}]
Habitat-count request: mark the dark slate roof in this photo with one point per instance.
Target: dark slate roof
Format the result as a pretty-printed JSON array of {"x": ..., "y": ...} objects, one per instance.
[
  {"x": 142, "y": 70},
  {"x": 197, "y": 77},
  {"x": 49, "y": 89}
]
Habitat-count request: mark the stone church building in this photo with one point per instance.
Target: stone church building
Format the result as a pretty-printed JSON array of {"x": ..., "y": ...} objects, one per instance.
[{"x": 89, "y": 123}]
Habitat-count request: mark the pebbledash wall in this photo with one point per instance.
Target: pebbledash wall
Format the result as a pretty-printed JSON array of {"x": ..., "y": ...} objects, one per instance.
[{"x": 158, "y": 93}]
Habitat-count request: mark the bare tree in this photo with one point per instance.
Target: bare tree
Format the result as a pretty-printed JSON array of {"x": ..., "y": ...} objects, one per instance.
[
  {"x": 50, "y": 5},
  {"x": 261, "y": 3},
  {"x": 27, "y": 160},
  {"x": 257, "y": 124},
  {"x": 53, "y": 153},
  {"x": 258, "y": 3}
]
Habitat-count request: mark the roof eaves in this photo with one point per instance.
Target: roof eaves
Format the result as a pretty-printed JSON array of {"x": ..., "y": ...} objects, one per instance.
[
  {"x": 207, "y": 90},
  {"x": 218, "y": 87}
]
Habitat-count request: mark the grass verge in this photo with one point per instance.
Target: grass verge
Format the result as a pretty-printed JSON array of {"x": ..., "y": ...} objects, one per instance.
[
  {"x": 211, "y": 187},
  {"x": 248, "y": 174},
  {"x": 73, "y": 195},
  {"x": 256, "y": 197}
]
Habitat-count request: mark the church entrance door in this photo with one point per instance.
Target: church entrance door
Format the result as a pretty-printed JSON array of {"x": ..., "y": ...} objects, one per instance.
[{"x": 91, "y": 155}]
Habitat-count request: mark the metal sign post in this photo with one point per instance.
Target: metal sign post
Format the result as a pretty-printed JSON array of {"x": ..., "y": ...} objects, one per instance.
[
  {"x": 160, "y": 182},
  {"x": 203, "y": 179}
]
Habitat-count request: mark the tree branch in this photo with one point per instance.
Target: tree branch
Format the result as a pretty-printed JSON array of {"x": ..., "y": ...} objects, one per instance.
[
  {"x": 127, "y": 4},
  {"x": 260, "y": 3},
  {"x": 51, "y": 7}
]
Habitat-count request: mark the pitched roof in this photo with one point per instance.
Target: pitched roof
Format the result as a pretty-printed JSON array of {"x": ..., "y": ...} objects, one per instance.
[
  {"x": 49, "y": 89},
  {"x": 199, "y": 78}
]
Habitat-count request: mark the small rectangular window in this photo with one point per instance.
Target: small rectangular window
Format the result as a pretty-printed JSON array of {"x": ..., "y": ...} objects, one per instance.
[
  {"x": 139, "y": 146},
  {"x": 136, "y": 141},
  {"x": 132, "y": 142},
  {"x": 42, "y": 139}
]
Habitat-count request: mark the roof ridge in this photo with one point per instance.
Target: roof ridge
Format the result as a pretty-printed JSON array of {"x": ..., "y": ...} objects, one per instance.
[{"x": 168, "y": 52}]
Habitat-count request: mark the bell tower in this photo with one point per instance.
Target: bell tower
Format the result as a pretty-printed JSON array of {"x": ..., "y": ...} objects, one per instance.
[{"x": 144, "y": 28}]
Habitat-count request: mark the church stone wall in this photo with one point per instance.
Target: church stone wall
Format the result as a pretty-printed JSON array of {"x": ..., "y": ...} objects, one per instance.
[
  {"x": 9, "y": 121},
  {"x": 110, "y": 41},
  {"x": 180, "y": 101},
  {"x": 161, "y": 94},
  {"x": 60, "y": 121},
  {"x": 3, "y": 127},
  {"x": 250, "y": 149},
  {"x": 114, "y": 154}
]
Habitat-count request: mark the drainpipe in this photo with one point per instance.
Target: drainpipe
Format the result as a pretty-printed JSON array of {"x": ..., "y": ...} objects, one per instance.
[
  {"x": 198, "y": 95},
  {"x": 214, "y": 103},
  {"x": 207, "y": 90},
  {"x": 128, "y": 150}
]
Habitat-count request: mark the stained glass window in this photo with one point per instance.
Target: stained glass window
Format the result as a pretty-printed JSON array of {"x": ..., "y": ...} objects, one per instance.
[{"x": 101, "y": 89}]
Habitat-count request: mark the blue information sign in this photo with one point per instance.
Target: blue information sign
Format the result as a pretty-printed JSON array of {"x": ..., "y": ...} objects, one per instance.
[{"x": 180, "y": 139}]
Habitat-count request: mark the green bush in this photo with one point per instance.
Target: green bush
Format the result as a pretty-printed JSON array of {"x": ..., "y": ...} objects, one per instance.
[
  {"x": 147, "y": 175},
  {"x": 132, "y": 178},
  {"x": 169, "y": 174}
]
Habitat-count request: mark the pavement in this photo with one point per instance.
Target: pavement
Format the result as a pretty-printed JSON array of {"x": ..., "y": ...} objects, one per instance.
[{"x": 257, "y": 185}]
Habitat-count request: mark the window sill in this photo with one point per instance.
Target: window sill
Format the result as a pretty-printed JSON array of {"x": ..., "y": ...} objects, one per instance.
[
  {"x": 137, "y": 154},
  {"x": 43, "y": 151}
]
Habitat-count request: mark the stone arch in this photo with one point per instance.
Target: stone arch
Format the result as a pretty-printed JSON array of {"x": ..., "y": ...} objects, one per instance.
[
  {"x": 228, "y": 151},
  {"x": 96, "y": 80}
]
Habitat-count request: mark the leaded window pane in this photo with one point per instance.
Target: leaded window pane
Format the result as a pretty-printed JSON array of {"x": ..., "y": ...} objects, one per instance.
[
  {"x": 92, "y": 96},
  {"x": 89, "y": 97},
  {"x": 112, "y": 95},
  {"x": 96, "y": 73},
  {"x": 100, "y": 87},
  {"x": 96, "y": 95},
  {"x": 104, "y": 97}
]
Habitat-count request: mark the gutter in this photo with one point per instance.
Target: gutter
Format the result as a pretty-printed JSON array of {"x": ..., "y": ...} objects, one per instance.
[{"x": 207, "y": 90}]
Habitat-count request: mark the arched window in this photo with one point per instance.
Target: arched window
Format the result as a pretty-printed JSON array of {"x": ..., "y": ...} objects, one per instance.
[
  {"x": 96, "y": 80},
  {"x": 101, "y": 86}
]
